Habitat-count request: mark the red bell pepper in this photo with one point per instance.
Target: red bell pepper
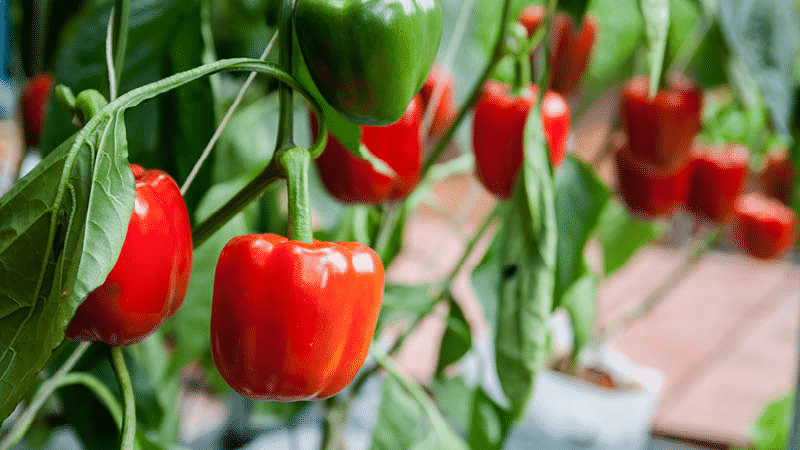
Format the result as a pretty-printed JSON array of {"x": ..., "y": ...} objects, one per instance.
[
  {"x": 33, "y": 102},
  {"x": 661, "y": 129},
  {"x": 353, "y": 180},
  {"x": 718, "y": 179},
  {"x": 498, "y": 130},
  {"x": 570, "y": 47},
  {"x": 763, "y": 227},
  {"x": 290, "y": 320},
  {"x": 649, "y": 191},
  {"x": 149, "y": 280}
]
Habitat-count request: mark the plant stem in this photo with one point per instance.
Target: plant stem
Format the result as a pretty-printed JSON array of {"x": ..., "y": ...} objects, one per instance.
[
  {"x": 286, "y": 119},
  {"x": 21, "y": 426},
  {"x": 116, "y": 43},
  {"x": 661, "y": 292},
  {"x": 129, "y": 400},
  {"x": 334, "y": 417},
  {"x": 247, "y": 194},
  {"x": 497, "y": 55},
  {"x": 295, "y": 163}
]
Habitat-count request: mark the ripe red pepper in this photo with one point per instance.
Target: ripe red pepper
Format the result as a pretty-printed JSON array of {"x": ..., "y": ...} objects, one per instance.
[
  {"x": 446, "y": 111},
  {"x": 570, "y": 48},
  {"x": 649, "y": 191},
  {"x": 293, "y": 321},
  {"x": 777, "y": 179},
  {"x": 718, "y": 179},
  {"x": 661, "y": 129},
  {"x": 498, "y": 129},
  {"x": 763, "y": 227},
  {"x": 149, "y": 281},
  {"x": 33, "y": 102},
  {"x": 353, "y": 180}
]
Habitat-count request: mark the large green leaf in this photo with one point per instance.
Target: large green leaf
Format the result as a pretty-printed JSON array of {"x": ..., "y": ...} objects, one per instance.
[
  {"x": 168, "y": 133},
  {"x": 580, "y": 199},
  {"x": 489, "y": 423},
  {"x": 61, "y": 231},
  {"x": 408, "y": 418},
  {"x": 527, "y": 279},
  {"x": 457, "y": 337},
  {"x": 764, "y": 33},
  {"x": 580, "y": 302},
  {"x": 621, "y": 235},
  {"x": 620, "y": 29},
  {"x": 656, "y": 27}
]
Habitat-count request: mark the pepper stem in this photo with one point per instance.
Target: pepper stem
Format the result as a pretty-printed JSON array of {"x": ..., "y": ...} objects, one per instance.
[{"x": 295, "y": 162}]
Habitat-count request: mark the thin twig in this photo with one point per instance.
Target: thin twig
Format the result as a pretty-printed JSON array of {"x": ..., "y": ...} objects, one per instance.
[{"x": 225, "y": 120}]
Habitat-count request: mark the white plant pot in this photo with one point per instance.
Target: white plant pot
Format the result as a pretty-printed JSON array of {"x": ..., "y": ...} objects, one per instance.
[{"x": 569, "y": 413}]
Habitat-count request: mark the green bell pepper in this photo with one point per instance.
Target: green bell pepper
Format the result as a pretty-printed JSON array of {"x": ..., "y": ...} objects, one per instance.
[{"x": 368, "y": 58}]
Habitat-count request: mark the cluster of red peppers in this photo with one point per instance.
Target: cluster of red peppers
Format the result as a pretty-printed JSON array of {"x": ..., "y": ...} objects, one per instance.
[
  {"x": 293, "y": 320},
  {"x": 661, "y": 168}
]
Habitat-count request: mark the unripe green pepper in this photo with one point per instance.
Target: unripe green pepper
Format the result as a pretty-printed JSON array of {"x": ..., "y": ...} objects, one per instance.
[{"x": 368, "y": 58}]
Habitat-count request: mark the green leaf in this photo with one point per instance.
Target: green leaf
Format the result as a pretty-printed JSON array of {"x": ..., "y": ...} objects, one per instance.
[
  {"x": 457, "y": 338},
  {"x": 191, "y": 324},
  {"x": 404, "y": 302},
  {"x": 575, "y": 8},
  {"x": 580, "y": 303},
  {"x": 187, "y": 113},
  {"x": 619, "y": 32},
  {"x": 580, "y": 199},
  {"x": 61, "y": 231},
  {"x": 389, "y": 241},
  {"x": 272, "y": 414},
  {"x": 489, "y": 424},
  {"x": 764, "y": 33},
  {"x": 527, "y": 280},
  {"x": 656, "y": 20},
  {"x": 622, "y": 235},
  {"x": 452, "y": 396},
  {"x": 408, "y": 418},
  {"x": 771, "y": 429},
  {"x": 486, "y": 279},
  {"x": 168, "y": 133}
]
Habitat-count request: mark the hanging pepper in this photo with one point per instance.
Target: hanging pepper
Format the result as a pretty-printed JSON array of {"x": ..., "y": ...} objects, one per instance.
[
  {"x": 291, "y": 320},
  {"x": 368, "y": 58}
]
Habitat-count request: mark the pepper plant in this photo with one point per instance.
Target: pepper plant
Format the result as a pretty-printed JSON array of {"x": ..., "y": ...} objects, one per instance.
[{"x": 287, "y": 303}]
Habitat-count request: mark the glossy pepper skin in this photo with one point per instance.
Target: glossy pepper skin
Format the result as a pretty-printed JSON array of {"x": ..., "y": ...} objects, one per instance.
[
  {"x": 661, "y": 130},
  {"x": 149, "y": 281},
  {"x": 445, "y": 111},
  {"x": 718, "y": 178},
  {"x": 368, "y": 58},
  {"x": 33, "y": 102},
  {"x": 648, "y": 191},
  {"x": 570, "y": 47},
  {"x": 353, "y": 180},
  {"x": 293, "y": 321},
  {"x": 498, "y": 128},
  {"x": 763, "y": 227}
]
